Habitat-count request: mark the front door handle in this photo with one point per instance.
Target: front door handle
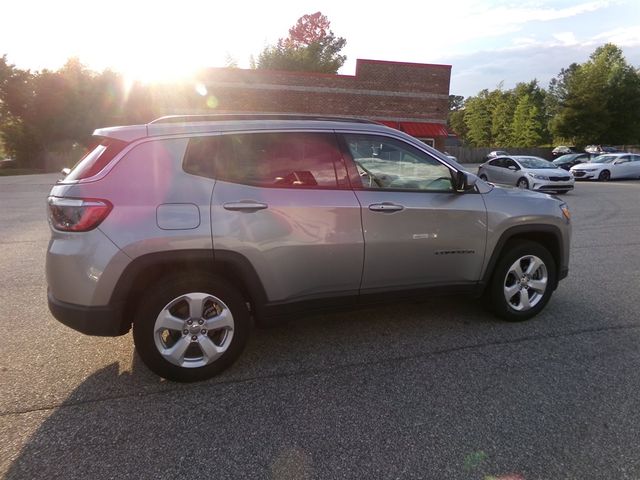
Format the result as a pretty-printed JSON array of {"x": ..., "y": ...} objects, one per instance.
[
  {"x": 245, "y": 206},
  {"x": 385, "y": 207}
]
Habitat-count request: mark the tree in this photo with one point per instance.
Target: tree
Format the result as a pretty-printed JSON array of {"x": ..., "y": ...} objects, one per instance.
[
  {"x": 456, "y": 102},
  {"x": 527, "y": 127},
  {"x": 455, "y": 119},
  {"x": 530, "y": 124},
  {"x": 598, "y": 101},
  {"x": 502, "y": 117},
  {"x": 311, "y": 47},
  {"x": 45, "y": 115}
]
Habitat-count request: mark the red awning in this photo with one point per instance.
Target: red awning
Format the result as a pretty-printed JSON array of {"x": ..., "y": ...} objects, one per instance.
[{"x": 419, "y": 129}]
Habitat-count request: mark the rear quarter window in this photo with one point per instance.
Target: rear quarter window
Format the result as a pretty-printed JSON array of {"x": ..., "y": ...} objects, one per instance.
[{"x": 98, "y": 156}]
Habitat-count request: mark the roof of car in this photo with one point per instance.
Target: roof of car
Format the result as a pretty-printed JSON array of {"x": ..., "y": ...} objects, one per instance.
[{"x": 177, "y": 124}]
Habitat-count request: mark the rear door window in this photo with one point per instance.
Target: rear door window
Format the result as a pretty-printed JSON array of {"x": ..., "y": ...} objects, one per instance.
[{"x": 280, "y": 160}]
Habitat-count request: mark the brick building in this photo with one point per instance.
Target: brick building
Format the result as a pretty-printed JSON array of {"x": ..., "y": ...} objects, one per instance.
[{"x": 408, "y": 96}]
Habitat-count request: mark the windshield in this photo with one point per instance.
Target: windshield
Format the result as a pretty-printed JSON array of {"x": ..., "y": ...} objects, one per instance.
[
  {"x": 605, "y": 159},
  {"x": 534, "y": 162},
  {"x": 565, "y": 159}
]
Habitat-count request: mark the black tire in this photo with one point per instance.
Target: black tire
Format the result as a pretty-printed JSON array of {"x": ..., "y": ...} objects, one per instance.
[
  {"x": 169, "y": 290},
  {"x": 523, "y": 181},
  {"x": 483, "y": 177},
  {"x": 495, "y": 294},
  {"x": 604, "y": 176}
]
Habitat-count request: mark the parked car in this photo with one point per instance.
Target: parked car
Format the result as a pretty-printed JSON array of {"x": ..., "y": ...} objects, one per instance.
[
  {"x": 496, "y": 153},
  {"x": 609, "y": 166},
  {"x": 600, "y": 149},
  {"x": 192, "y": 228},
  {"x": 450, "y": 157},
  {"x": 7, "y": 162},
  {"x": 561, "y": 150},
  {"x": 527, "y": 172},
  {"x": 567, "y": 161}
]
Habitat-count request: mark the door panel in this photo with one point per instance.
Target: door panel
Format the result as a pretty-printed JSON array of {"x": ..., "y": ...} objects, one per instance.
[
  {"x": 280, "y": 200},
  {"x": 622, "y": 170},
  {"x": 418, "y": 231},
  {"x": 436, "y": 238},
  {"x": 301, "y": 242}
]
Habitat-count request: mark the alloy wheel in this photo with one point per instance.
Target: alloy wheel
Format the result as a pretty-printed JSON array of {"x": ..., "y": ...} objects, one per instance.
[
  {"x": 525, "y": 283},
  {"x": 193, "y": 330}
]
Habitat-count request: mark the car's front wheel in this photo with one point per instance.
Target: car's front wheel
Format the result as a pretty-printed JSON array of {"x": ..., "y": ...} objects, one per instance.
[
  {"x": 483, "y": 177},
  {"x": 523, "y": 184},
  {"x": 190, "y": 329},
  {"x": 604, "y": 176},
  {"x": 522, "y": 282}
]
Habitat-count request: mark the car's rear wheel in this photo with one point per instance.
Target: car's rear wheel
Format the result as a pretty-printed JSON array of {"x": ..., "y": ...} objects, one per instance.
[
  {"x": 190, "y": 329},
  {"x": 522, "y": 281},
  {"x": 604, "y": 176},
  {"x": 523, "y": 184}
]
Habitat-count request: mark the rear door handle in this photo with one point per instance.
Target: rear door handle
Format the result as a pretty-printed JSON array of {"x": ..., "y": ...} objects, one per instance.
[
  {"x": 385, "y": 207},
  {"x": 245, "y": 206}
]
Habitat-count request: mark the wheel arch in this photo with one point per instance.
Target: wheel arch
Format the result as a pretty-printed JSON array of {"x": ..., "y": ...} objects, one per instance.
[
  {"x": 549, "y": 236},
  {"x": 143, "y": 271}
]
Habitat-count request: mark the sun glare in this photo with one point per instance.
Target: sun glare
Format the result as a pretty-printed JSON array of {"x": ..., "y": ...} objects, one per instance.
[{"x": 160, "y": 71}]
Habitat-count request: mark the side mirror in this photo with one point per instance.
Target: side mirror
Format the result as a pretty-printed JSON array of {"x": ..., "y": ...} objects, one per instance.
[
  {"x": 464, "y": 181},
  {"x": 513, "y": 168},
  {"x": 65, "y": 171}
]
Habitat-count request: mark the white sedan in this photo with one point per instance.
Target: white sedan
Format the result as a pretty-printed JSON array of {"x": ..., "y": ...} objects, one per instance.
[
  {"x": 527, "y": 172},
  {"x": 609, "y": 166}
]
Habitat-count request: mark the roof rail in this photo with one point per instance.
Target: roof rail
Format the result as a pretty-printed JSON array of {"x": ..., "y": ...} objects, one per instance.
[{"x": 254, "y": 116}]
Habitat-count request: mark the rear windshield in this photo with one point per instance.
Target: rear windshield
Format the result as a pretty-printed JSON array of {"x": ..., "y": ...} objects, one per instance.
[{"x": 99, "y": 154}]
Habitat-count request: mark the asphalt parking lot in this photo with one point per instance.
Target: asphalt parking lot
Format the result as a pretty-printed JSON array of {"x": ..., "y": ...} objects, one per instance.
[{"x": 438, "y": 389}]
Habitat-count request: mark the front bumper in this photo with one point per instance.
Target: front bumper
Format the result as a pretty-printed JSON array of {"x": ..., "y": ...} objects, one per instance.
[
  {"x": 552, "y": 186},
  {"x": 583, "y": 175},
  {"x": 100, "y": 321}
]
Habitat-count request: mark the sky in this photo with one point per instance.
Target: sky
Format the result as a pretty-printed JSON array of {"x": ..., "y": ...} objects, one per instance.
[{"x": 487, "y": 43}]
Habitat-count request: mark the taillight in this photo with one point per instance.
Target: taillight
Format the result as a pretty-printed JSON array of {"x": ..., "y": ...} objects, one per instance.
[{"x": 77, "y": 214}]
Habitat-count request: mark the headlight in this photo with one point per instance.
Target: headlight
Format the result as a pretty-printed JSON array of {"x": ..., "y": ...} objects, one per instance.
[
  {"x": 538, "y": 177},
  {"x": 589, "y": 169}
]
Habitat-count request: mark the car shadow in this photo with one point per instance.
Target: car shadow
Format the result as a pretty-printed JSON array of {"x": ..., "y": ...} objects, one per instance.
[{"x": 131, "y": 424}]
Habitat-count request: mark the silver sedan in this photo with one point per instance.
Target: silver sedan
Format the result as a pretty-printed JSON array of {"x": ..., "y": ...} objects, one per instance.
[{"x": 526, "y": 172}]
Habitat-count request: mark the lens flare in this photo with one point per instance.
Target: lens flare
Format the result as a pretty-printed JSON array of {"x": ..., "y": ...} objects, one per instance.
[{"x": 212, "y": 102}]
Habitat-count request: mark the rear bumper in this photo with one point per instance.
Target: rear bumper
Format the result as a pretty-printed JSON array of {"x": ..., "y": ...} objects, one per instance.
[{"x": 101, "y": 321}]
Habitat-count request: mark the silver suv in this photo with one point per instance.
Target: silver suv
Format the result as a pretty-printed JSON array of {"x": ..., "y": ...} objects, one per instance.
[{"x": 192, "y": 228}]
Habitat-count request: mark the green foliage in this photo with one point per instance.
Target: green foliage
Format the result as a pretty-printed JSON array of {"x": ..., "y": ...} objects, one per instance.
[
  {"x": 598, "y": 101},
  {"x": 503, "y": 118},
  {"x": 456, "y": 102},
  {"x": 310, "y": 47},
  {"x": 478, "y": 119},
  {"x": 44, "y": 115},
  {"x": 527, "y": 127}
]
